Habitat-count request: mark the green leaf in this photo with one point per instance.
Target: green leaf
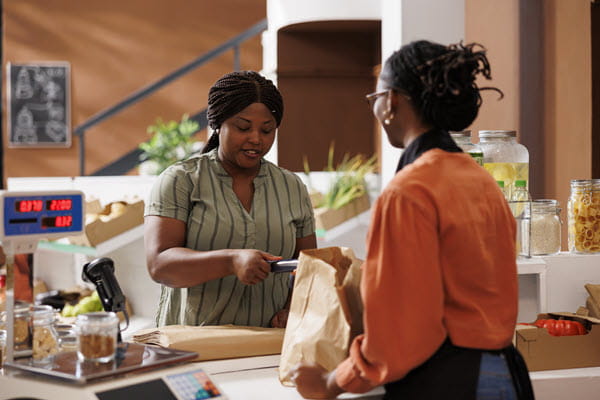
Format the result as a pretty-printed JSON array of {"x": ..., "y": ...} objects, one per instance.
[{"x": 171, "y": 141}]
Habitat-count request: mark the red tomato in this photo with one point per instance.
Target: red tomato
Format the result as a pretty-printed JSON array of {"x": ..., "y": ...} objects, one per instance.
[{"x": 561, "y": 327}]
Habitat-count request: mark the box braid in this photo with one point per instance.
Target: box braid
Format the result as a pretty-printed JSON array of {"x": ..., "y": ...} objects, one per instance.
[
  {"x": 440, "y": 80},
  {"x": 235, "y": 91}
]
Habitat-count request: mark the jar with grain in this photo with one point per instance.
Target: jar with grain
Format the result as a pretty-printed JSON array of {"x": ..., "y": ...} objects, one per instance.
[
  {"x": 21, "y": 326},
  {"x": 545, "y": 227},
  {"x": 584, "y": 216},
  {"x": 45, "y": 339},
  {"x": 97, "y": 336}
]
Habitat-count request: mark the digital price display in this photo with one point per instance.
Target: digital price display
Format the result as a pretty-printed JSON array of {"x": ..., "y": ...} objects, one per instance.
[
  {"x": 42, "y": 213},
  {"x": 24, "y": 206}
]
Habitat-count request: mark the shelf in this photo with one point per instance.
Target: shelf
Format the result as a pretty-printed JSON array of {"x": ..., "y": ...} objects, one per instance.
[
  {"x": 103, "y": 248},
  {"x": 533, "y": 265}
]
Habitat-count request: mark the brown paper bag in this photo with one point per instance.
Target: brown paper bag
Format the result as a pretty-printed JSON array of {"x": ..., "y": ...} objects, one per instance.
[{"x": 325, "y": 312}]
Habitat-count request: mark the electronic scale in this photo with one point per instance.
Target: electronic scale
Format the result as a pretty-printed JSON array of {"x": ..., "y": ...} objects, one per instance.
[{"x": 27, "y": 217}]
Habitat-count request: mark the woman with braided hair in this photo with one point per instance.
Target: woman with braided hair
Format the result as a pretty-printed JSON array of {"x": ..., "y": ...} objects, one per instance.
[
  {"x": 439, "y": 283},
  {"x": 213, "y": 222}
]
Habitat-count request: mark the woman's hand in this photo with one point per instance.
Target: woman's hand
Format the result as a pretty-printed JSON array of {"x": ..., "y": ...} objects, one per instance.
[
  {"x": 314, "y": 382},
  {"x": 280, "y": 318},
  {"x": 251, "y": 266}
]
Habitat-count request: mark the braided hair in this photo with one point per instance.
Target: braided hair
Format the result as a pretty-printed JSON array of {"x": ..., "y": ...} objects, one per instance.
[
  {"x": 440, "y": 80},
  {"x": 235, "y": 91}
]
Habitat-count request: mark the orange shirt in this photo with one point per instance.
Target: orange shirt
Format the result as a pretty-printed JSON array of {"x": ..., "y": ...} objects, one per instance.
[{"x": 441, "y": 262}]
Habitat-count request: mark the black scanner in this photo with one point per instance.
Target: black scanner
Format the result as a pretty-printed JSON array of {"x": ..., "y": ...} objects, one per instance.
[{"x": 101, "y": 272}]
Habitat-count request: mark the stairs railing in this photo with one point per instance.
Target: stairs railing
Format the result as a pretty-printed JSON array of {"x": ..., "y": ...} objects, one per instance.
[{"x": 131, "y": 159}]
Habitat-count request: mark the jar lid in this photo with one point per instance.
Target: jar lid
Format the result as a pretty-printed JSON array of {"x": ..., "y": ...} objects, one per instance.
[
  {"x": 545, "y": 205},
  {"x": 20, "y": 307},
  {"x": 581, "y": 183},
  {"x": 497, "y": 134},
  {"x": 466, "y": 133},
  {"x": 520, "y": 183},
  {"x": 43, "y": 314},
  {"x": 107, "y": 318}
]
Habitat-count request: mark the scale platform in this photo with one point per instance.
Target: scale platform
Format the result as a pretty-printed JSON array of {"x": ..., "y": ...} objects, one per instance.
[{"x": 131, "y": 357}]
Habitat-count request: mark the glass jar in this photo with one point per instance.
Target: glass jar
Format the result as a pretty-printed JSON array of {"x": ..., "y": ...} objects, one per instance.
[
  {"x": 545, "y": 227},
  {"x": 463, "y": 140},
  {"x": 504, "y": 158},
  {"x": 584, "y": 216},
  {"x": 67, "y": 337},
  {"x": 21, "y": 326},
  {"x": 97, "y": 336},
  {"x": 45, "y": 339},
  {"x": 2, "y": 347}
]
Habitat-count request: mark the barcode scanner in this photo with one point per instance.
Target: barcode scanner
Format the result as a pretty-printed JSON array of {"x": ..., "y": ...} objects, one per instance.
[{"x": 101, "y": 272}]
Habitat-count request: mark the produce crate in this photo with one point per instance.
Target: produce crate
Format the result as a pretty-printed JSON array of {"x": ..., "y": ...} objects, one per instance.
[
  {"x": 108, "y": 224},
  {"x": 542, "y": 351},
  {"x": 327, "y": 218}
]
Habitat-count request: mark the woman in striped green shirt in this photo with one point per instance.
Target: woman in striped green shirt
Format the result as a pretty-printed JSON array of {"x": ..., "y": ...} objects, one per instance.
[{"x": 214, "y": 221}]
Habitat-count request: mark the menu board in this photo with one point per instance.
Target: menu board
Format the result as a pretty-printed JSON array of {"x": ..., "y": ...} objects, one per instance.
[{"x": 38, "y": 105}]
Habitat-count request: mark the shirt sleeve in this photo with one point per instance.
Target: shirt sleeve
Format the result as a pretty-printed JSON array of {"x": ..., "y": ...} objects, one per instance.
[
  {"x": 305, "y": 225},
  {"x": 170, "y": 195},
  {"x": 402, "y": 293}
]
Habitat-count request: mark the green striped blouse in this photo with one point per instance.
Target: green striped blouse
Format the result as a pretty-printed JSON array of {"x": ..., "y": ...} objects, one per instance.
[{"x": 199, "y": 192}]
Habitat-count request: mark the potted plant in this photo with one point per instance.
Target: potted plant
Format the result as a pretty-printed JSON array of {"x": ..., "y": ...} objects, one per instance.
[{"x": 171, "y": 141}]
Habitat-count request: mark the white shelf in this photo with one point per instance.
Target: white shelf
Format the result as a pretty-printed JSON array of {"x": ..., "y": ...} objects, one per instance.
[
  {"x": 101, "y": 249},
  {"x": 533, "y": 265}
]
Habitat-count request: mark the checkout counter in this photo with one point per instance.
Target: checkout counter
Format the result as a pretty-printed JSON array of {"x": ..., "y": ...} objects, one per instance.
[{"x": 542, "y": 280}]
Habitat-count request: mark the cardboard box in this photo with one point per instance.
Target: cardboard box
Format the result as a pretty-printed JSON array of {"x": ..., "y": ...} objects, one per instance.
[
  {"x": 542, "y": 351},
  {"x": 327, "y": 218},
  {"x": 106, "y": 227}
]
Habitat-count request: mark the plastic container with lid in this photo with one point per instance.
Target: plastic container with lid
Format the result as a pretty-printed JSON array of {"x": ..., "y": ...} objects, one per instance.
[
  {"x": 504, "y": 158},
  {"x": 97, "y": 336},
  {"x": 584, "y": 216},
  {"x": 21, "y": 327},
  {"x": 521, "y": 205},
  {"x": 45, "y": 339},
  {"x": 545, "y": 227},
  {"x": 503, "y": 189},
  {"x": 463, "y": 140}
]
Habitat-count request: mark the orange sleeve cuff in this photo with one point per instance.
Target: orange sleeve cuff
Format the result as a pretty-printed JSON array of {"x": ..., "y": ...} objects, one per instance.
[{"x": 347, "y": 376}]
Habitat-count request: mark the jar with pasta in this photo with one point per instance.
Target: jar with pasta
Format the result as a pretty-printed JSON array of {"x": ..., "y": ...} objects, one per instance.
[
  {"x": 45, "y": 339},
  {"x": 584, "y": 216}
]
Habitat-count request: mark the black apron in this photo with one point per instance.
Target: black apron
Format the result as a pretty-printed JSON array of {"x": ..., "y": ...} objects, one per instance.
[{"x": 453, "y": 373}]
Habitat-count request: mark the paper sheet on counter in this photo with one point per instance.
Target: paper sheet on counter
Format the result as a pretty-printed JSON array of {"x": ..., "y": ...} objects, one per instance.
[{"x": 215, "y": 342}]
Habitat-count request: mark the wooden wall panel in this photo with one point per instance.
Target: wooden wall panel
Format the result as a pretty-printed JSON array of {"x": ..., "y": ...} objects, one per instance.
[
  {"x": 325, "y": 69},
  {"x": 115, "y": 48}
]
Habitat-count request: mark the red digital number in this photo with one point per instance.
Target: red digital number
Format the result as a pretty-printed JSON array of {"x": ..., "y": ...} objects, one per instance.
[
  {"x": 29, "y": 205},
  {"x": 59, "y": 204},
  {"x": 63, "y": 221}
]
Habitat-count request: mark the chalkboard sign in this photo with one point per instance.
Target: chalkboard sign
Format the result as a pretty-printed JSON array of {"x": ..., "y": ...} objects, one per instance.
[{"x": 38, "y": 103}]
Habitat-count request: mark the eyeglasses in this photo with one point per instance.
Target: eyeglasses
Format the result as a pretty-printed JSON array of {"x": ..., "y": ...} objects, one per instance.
[{"x": 371, "y": 97}]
